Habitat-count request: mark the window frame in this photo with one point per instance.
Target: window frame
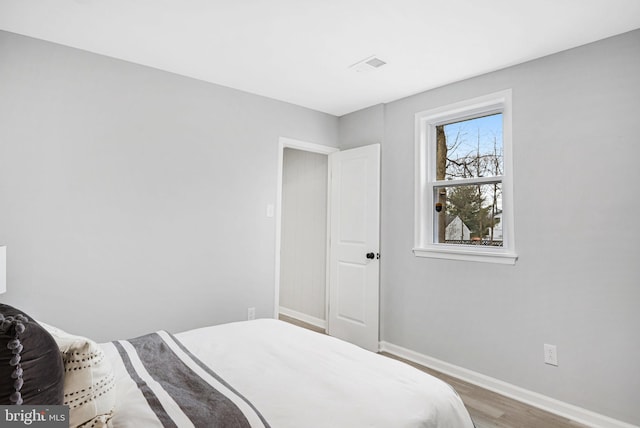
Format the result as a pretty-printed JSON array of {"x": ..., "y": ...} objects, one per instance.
[{"x": 425, "y": 182}]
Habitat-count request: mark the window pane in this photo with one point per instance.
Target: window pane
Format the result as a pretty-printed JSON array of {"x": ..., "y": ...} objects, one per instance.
[
  {"x": 469, "y": 215},
  {"x": 470, "y": 148}
]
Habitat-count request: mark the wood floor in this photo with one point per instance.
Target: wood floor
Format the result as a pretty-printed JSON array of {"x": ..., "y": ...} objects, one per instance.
[{"x": 487, "y": 409}]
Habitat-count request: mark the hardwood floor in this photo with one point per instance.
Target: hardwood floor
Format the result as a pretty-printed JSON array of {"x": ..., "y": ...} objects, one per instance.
[
  {"x": 488, "y": 409},
  {"x": 301, "y": 323}
]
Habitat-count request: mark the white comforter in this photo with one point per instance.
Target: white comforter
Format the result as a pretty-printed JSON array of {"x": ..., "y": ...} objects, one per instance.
[{"x": 296, "y": 378}]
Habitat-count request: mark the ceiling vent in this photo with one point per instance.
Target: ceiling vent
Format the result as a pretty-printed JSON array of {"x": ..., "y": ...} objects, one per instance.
[{"x": 368, "y": 64}]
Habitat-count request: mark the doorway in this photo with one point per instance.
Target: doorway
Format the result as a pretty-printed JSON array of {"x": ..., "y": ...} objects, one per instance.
[
  {"x": 327, "y": 239},
  {"x": 302, "y": 232}
]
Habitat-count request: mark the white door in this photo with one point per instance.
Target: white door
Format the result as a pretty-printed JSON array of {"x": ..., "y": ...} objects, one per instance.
[{"x": 354, "y": 240}]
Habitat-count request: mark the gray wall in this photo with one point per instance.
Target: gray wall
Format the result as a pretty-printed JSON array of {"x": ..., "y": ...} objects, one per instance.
[
  {"x": 577, "y": 188},
  {"x": 362, "y": 127},
  {"x": 132, "y": 199},
  {"x": 303, "y": 255}
]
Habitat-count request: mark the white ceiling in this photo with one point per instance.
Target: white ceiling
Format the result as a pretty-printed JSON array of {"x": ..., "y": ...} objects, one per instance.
[{"x": 300, "y": 51}]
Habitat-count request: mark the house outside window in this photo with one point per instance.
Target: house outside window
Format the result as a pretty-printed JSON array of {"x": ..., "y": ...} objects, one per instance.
[{"x": 463, "y": 189}]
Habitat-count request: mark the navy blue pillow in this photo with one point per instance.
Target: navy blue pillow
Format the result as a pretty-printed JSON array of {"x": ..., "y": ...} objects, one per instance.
[{"x": 31, "y": 368}]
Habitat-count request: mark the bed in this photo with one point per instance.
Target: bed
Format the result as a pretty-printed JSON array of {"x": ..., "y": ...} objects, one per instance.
[
  {"x": 268, "y": 373},
  {"x": 250, "y": 374}
]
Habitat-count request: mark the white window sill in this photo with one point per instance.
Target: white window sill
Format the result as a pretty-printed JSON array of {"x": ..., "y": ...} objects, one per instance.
[{"x": 470, "y": 255}]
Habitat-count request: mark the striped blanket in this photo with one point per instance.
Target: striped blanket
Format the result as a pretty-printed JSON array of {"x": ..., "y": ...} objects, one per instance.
[{"x": 180, "y": 389}]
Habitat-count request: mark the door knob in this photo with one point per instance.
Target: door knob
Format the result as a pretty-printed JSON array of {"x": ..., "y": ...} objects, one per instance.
[{"x": 371, "y": 256}]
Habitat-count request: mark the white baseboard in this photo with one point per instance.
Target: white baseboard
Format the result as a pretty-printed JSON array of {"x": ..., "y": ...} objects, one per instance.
[
  {"x": 303, "y": 317},
  {"x": 531, "y": 398}
]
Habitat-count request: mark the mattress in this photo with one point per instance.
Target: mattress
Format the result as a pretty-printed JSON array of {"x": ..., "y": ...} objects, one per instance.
[{"x": 268, "y": 373}]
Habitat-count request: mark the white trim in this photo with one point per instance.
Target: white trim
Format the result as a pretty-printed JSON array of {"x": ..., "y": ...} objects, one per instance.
[
  {"x": 327, "y": 272},
  {"x": 560, "y": 408},
  {"x": 3, "y": 269},
  {"x": 306, "y": 146},
  {"x": 468, "y": 181},
  {"x": 425, "y": 123},
  {"x": 317, "y": 322},
  {"x": 443, "y": 251},
  {"x": 284, "y": 142}
]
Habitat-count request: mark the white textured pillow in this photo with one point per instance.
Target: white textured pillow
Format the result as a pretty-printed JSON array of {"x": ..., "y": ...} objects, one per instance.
[{"x": 89, "y": 383}]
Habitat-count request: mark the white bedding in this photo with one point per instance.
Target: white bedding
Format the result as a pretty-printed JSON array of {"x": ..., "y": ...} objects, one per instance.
[{"x": 295, "y": 378}]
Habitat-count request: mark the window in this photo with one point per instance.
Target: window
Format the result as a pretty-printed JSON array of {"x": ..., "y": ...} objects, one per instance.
[{"x": 464, "y": 201}]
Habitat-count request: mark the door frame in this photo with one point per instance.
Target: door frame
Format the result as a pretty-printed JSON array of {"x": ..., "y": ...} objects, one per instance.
[{"x": 283, "y": 143}]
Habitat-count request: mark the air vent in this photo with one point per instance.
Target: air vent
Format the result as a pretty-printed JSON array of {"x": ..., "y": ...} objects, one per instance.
[{"x": 368, "y": 64}]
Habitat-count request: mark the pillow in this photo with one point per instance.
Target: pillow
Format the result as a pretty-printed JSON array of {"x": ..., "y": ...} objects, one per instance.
[
  {"x": 89, "y": 381},
  {"x": 31, "y": 370}
]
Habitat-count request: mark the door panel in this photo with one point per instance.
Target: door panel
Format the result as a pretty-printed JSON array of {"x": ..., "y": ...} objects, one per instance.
[
  {"x": 351, "y": 294},
  {"x": 355, "y": 231},
  {"x": 353, "y": 196}
]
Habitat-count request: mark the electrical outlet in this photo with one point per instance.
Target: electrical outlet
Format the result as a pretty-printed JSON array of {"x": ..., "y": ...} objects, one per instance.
[
  {"x": 251, "y": 313},
  {"x": 550, "y": 355}
]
